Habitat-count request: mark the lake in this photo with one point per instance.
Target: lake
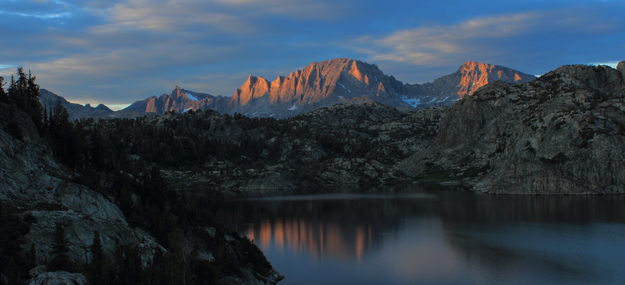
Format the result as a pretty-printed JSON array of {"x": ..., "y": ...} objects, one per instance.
[{"x": 438, "y": 237}]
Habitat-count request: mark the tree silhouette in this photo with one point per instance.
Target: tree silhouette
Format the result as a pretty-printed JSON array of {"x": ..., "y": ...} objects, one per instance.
[
  {"x": 98, "y": 267},
  {"x": 3, "y": 94},
  {"x": 25, "y": 94},
  {"x": 60, "y": 261}
]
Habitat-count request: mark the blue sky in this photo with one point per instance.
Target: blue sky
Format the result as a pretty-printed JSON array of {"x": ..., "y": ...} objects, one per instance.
[{"x": 119, "y": 51}]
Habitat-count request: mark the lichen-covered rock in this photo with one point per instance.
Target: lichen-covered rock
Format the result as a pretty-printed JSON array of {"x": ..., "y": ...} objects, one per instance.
[
  {"x": 58, "y": 278},
  {"x": 80, "y": 229}
]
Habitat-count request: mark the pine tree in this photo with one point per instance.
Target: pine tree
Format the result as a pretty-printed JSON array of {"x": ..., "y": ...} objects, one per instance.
[
  {"x": 34, "y": 106},
  {"x": 11, "y": 238},
  {"x": 3, "y": 95},
  {"x": 97, "y": 268},
  {"x": 25, "y": 94},
  {"x": 60, "y": 261}
]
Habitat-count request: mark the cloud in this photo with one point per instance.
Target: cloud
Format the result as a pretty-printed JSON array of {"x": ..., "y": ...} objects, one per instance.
[
  {"x": 171, "y": 16},
  {"x": 309, "y": 9},
  {"x": 43, "y": 16},
  {"x": 478, "y": 38}
]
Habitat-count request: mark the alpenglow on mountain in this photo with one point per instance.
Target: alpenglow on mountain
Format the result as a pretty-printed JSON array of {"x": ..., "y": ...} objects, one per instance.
[{"x": 331, "y": 82}]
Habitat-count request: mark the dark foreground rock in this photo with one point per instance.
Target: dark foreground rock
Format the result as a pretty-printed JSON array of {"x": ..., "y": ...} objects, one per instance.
[
  {"x": 38, "y": 195},
  {"x": 561, "y": 134}
]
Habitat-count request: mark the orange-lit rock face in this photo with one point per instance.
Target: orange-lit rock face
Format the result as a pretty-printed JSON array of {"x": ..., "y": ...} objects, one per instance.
[
  {"x": 151, "y": 105},
  {"x": 474, "y": 75},
  {"x": 315, "y": 82},
  {"x": 254, "y": 87},
  {"x": 357, "y": 74},
  {"x": 315, "y": 239}
]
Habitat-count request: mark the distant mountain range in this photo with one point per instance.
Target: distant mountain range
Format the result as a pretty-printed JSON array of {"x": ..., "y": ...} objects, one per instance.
[
  {"x": 77, "y": 111},
  {"x": 318, "y": 85}
]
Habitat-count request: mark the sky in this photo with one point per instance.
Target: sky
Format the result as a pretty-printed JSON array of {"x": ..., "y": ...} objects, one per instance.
[{"x": 119, "y": 51}]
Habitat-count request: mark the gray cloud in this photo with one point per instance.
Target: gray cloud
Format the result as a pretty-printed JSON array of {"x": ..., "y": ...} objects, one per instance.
[{"x": 484, "y": 37}]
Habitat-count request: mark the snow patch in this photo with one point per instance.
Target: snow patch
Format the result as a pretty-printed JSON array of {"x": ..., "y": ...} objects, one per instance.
[
  {"x": 192, "y": 97},
  {"x": 413, "y": 102},
  {"x": 292, "y": 108},
  {"x": 348, "y": 91}
]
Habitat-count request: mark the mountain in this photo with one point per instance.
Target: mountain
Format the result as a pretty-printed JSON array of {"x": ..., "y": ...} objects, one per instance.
[
  {"x": 50, "y": 100},
  {"x": 331, "y": 82},
  {"x": 469, "y": 77},
  {"x": 320, "y": 84},
  {"x": 179, "y": 100},
  {"x": 563, "y": 133},
  {"x": 344, "y": 80}
]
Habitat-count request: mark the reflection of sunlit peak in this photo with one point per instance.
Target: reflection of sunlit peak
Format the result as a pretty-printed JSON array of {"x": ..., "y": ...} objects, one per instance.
[{"x": 313, "y": 239}]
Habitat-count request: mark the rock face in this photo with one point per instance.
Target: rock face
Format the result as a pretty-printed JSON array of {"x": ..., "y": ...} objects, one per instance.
[
  {"x": 331, "y": 82},
  {"x": 49, "y": 100},
  {"x": 33, "y": 179},
  {"x": 561, "y": 134},
  {"x": 621, "y": 69}
]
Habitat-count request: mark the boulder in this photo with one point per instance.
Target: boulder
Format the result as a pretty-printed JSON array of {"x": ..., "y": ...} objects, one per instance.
[
  {"x": 58, "y": 278},
  {"x": 621, "y": 68}
]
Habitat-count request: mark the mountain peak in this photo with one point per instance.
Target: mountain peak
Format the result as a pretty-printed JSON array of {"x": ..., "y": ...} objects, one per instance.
[
  {"x": 475, "y": 74},
  {"x": 475, "y": 65}
]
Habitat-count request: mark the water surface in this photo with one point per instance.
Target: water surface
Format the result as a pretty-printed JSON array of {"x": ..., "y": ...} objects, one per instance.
[{"x": 438, "y": 238}]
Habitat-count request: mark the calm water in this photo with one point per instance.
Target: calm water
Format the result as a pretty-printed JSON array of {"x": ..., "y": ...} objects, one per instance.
[{"x": 438, "y": 238}]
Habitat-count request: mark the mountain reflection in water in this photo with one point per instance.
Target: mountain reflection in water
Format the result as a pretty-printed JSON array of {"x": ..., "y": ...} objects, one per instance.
[{"x": 438, "y": 238}]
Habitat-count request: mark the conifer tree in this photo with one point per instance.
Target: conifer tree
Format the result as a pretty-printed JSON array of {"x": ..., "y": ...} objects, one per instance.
[
  {"x": 24, "y": 93},
  {"x": 97, "y": 268},
  {"x": 3, "y": 95},
  {"x": 34, "y": 106}
]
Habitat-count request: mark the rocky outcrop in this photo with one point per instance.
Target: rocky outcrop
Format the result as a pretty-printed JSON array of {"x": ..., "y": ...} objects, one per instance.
[
  {"x": 621, "y": 69},
  {"x": 32, "y": 179},
  {"x": 561, "y": 134}
]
